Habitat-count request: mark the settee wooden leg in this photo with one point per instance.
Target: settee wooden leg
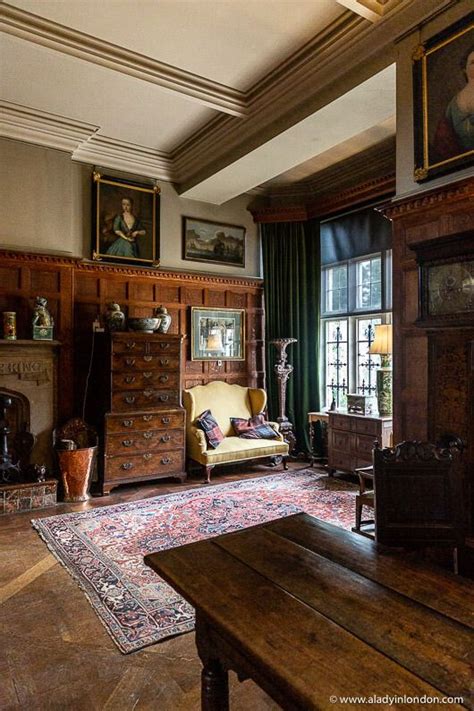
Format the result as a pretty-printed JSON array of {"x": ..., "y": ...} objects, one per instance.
[
  {"x": 285, "y": 463},
  {"x": 207, "y": 472}
]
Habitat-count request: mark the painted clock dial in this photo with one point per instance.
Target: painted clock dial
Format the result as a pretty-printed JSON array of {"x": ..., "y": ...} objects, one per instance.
[{"x": 451, "y": 288}]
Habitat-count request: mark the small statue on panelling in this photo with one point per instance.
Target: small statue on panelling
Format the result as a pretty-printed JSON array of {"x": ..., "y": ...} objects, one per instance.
[{"x": 43, "y": 322}]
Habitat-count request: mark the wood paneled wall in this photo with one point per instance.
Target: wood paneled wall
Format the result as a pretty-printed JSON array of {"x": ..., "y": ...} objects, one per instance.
[
  {"x": 77, "y": 291},
  {"x": 433, "y": 387},
  {"x": 439, "y": 213}
]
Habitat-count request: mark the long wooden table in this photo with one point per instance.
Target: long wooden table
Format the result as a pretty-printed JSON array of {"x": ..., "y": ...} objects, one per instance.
[{"x": 313, "y": 613}]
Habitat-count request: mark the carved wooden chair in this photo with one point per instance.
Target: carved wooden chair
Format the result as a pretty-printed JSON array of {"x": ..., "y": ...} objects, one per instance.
[{"x": 365, "y": 497}]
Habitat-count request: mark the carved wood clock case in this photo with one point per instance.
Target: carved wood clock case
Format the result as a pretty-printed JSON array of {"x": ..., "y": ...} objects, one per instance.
[{"x": 446, "y": 311}]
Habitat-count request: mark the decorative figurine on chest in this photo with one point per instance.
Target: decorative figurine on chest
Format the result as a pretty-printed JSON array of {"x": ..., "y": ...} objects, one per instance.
[{"x": 114, "y": 318}]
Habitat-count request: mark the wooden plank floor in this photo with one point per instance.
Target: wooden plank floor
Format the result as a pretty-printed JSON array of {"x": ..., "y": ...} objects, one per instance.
[{"x": 55, "y": 654}]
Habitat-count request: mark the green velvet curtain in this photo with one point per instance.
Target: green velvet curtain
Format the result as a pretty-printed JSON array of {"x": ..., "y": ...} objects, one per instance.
[{"x": 292, "y": 274}]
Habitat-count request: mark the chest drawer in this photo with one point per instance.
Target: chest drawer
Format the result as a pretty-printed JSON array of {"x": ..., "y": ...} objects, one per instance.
[
  {"x": 145, "y": 464},
  {"x": 126, "y": 400},
  {"x": 124, "y": 362},
  {"x": 364, "y": 446},
  {"x": 144, "y": 421},
  {"x": 148, "y": 440},
  {"x": 128, "y": 345},
  {"x": 340, "y": 422},
  {"x": 366, "y": 426},
  {"x": 140, "y": 380},
  {"x": 340, "y": 460}
]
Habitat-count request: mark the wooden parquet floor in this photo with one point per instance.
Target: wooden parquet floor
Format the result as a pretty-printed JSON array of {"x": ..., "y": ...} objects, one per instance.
[{"x": 54, "y": 652}]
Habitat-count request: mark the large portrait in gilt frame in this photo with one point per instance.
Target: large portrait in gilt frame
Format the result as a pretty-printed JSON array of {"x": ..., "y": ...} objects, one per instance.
[
  {"x": 126, "y": 221},
  {"x": 443, "y": 82}
]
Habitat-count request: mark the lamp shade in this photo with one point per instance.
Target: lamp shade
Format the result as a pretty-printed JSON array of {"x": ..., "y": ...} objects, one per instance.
[
  {"x": 214, "y": 341},
  {"x": 382, "y": 343}
]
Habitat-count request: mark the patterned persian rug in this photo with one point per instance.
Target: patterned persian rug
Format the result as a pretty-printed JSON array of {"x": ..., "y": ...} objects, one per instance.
[{"x": 103, "y": 548}]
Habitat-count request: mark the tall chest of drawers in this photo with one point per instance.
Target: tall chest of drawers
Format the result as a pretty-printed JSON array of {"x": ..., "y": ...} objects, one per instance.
[{"x": 136, "y": 404}]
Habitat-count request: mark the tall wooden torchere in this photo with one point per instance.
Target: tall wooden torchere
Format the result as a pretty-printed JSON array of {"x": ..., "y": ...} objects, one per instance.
[{"x": 283, "y": 370}]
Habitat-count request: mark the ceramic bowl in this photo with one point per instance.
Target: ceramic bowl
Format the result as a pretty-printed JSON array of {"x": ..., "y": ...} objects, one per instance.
[{"x": 145, "y": 325}]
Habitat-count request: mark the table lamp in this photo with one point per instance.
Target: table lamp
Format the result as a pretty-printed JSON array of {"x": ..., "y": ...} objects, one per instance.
[{"x": 382, "y": 345}]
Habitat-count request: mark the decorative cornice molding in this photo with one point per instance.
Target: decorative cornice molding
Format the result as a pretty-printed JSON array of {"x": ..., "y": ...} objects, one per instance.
[
  {"x": 84, "y": 265},
  {"x": 53, "y": 35},
  {"x": 369, "y": 190},
  {"x": 427, "y": 200},
  {"x": 328, "y": 204},
  {"x": 280, "y": 213},
  {"x": 120, "y": 155},
  {"x": 23, "y": 123}
]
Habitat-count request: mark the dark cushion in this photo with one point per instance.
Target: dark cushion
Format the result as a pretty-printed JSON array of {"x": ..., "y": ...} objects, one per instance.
[
  {"x": 208, "y": 424},
  {"x": 254, "y": 428}
]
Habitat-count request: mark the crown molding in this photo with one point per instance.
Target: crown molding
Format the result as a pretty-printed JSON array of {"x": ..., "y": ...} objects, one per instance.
[
  {"x": 23, "y": 123},
  {"x": 328, "y": 204},
  {"x": 128, "y": 157},
  {"x": 53, "y": 35},
  {"x": 462, "y": 190}
]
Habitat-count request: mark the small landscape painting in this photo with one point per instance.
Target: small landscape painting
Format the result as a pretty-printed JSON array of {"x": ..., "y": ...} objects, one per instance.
[{"x": 215, "y": 242}]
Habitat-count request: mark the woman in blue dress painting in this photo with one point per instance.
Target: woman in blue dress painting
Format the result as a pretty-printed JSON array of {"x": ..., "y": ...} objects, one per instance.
[{"x": 128, "y": 228}]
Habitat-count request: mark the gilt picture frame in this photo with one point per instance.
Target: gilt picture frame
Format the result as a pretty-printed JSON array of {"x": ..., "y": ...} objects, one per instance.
[
  {"x": 125, "y": 221},
  {"x": 213, "y": 242},
  {"x": 443, "y": 68},
  {"x": 217, "y": 334}
]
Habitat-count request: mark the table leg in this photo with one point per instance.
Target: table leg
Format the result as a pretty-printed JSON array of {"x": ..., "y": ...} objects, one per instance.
[
  {"x": 311, "y": 442},
  {"x": 214, "y": 687}
]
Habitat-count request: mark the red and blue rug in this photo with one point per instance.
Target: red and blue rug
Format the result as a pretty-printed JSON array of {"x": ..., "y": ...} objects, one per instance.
[{"x": 103, "y": 548}]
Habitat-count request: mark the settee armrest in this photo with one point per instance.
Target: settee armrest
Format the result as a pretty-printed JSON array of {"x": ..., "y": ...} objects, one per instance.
[
  {"x": 276, "y": 426},
  {"x": 196, "y": 439}
]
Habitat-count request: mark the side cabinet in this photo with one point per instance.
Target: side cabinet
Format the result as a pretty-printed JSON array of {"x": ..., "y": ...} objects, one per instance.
[{"x": 351, "y": 439}]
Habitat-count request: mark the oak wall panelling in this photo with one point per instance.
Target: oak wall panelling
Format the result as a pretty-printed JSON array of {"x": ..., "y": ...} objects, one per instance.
[
  {"x": 433, "y": 384},
  {"x": 78, "y": 290}
]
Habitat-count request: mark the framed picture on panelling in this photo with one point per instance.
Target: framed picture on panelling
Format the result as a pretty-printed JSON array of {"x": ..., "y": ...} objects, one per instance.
[
  {"x": 213, "y": 242},
  {"x": 443, "y": 82},
  {"x": 217, "y": 334},
  {"x": 126, "y": 221}
]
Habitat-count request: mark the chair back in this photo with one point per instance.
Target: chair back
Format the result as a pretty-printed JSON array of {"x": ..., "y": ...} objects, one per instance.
[{"x": 418, "y": 495}]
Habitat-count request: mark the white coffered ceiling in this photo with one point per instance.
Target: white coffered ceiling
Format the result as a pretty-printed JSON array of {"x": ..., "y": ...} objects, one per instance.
[{"x": 218, "y": 96}]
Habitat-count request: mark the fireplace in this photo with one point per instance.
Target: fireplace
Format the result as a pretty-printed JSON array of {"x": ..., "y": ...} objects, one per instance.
[{"x": 28, "y": 396}]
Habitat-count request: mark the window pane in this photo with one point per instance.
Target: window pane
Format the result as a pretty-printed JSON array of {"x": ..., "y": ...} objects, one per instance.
[
  {"x": 336, "y": 289},
  {"x": 367, "y": 364},
  {"x": 369, "y": 284},
  {"x": 336, "y": 358}
]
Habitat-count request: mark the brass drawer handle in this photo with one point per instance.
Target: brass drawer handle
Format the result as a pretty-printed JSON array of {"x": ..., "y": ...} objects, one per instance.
[
  {"x": 127, "y": 423},
  {"x": 164, "y": 378},
  {"x": 148, "y": 374},
  {"x": 130, "y": 361},
  {"x": 164, "y": 398},
  {"x": 126, "y": 465},
  {"x": 164, "y": 346},
  {"x": 148, "y": 393},
  {"x": 127, "y": 442},
  {"x": 130, "y": 399},
  {"x": 164, "y": 361},
  {"x": 165, "y": 438},
  {"x": 166, "y": 420},
  {"x": 165, "y": 460},
  {"x": 147, "y": 358},
  {"x": 147, "y": 418},
  {"x": 130, "y": 345},
  {"x": 130, "y": 379},
  {"x": 148, "y": 435},
  {"x": 147, "y": 456}
]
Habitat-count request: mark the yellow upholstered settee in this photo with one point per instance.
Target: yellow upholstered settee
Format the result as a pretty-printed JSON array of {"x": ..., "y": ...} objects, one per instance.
[{"x": 226, "y": 401}]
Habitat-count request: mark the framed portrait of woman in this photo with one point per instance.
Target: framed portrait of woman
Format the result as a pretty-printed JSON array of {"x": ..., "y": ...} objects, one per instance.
[
  {"x": 126, "y": 221},
  {"x": 443, "y": 81}
]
